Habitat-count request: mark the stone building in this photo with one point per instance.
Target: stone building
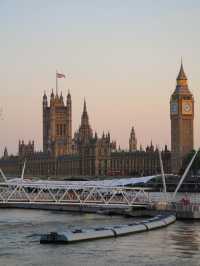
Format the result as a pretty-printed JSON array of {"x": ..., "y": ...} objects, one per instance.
[
  {"x": 132, "y": 141},
  {"x": 26, "y": 150},
  {"x": 97, "y": 159},
  {"x": 57, "y": 125},
  {"x": 182, "y": 116},
  {"x": 139, "y": 162},
  {"x": 5, "y": 154},
  {"x": 87, "y": 154}
]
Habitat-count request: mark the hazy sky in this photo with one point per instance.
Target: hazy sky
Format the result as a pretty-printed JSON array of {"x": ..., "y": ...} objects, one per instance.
[{"x": 122, "y": 56}]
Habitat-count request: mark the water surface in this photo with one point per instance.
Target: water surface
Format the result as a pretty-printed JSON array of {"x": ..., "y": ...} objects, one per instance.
[{"x": 20, "y": 231}]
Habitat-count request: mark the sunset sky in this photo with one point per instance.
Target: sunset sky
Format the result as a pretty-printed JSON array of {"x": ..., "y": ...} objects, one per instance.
[{"x": 122, "y": 56}]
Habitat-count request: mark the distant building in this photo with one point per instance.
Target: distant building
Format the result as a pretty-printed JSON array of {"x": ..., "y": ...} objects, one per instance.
[
  {"x": 57, "y": 125},
  {"x": 87, "y": 154},
  {"x": 182, "y": 116},
  {"x": 26, "y": 150},
  {"x": 5, "y": 154},
  {"x": 132, "y": 141}
]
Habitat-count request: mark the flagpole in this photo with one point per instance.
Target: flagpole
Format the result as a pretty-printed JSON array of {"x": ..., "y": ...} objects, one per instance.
[
  {"x": 58, "y": 75},
  {"x": 56, "y": 83}
]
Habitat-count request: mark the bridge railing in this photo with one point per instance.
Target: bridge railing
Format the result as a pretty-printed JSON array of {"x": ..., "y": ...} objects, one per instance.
[{"x": 67, "y": 194}]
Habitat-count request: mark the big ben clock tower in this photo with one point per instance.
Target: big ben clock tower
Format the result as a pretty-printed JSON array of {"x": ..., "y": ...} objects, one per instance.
[{"x": 182, "y": 116}]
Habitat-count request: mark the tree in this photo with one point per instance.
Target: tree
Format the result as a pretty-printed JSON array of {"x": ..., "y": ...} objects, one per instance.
[{"x": 195, "y": 168}]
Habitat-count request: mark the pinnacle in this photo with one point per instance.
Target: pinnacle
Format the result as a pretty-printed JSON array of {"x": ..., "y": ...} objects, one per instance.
[
  {"x": 44, "y": 95},
  {"x": 84, "y": 107},
  {"x": 52, "y": 93},
  {"x": 181, "y": 75}
]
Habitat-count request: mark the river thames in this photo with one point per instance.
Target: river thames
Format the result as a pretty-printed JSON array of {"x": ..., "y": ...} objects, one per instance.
[{"x": 20, "y": 230}]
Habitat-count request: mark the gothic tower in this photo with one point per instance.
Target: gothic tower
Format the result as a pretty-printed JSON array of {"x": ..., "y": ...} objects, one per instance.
[
  {"x": 132, "y": 141},
  {"x": 182, "y": 116},
  {"x": 45, "y": 122},
  {"x": 57, "y": 125},
  {"x": 69, "y": 123},
  {"x": 5, "y": 153},
  {"x": 85, "y": 131}
]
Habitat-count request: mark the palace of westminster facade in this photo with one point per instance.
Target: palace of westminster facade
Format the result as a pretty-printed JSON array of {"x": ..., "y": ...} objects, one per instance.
[{"x": 84, "y": 153}]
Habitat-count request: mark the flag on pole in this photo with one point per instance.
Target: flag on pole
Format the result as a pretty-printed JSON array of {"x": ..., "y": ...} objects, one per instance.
[{"x": 59, "y": 75}]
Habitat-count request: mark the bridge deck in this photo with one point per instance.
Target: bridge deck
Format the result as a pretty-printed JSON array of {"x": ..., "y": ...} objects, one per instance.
[{"x": 72, "y": 195}]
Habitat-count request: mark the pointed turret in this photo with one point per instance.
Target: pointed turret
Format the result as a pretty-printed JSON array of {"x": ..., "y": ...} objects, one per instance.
[
  {"x": 109, "y": 136},
  {"x": 45, "y": 101},
  {"x": 69, "y": 122},
  {"x": 84, "y": 107},
  {"x": 181, "y": 82},
  {"x": 132, "y": 141},
  {"x": 181, "y": 75},
  {"x": 52, "y": 98},
  {"x": 85, "y": 131},
  {"x": 44, "y": 96},
  {"x": 69, "y": 98},
  {"x": 58, "y": 100},
  {"x": 84, "y": 118},
  {"x": 151, "y": 147},
  {"x": 61, "y": 98},
  {"x": 52, "y": 94},
  {"x": 5, "y": 153}
]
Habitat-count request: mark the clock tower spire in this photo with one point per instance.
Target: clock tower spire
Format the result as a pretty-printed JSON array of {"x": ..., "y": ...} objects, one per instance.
[{"x": 182, "y": 116}]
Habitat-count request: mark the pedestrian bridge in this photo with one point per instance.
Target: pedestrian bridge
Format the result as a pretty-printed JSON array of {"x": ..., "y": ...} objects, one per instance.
[
  {"x": 67, "y": 194},
  {"x": 84, "y": 193}
]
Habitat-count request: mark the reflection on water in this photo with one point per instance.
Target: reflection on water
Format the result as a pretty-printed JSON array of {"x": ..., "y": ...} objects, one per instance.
[
  {"x": 187, "y": 238},
  {"x": 20, "y": 231}
]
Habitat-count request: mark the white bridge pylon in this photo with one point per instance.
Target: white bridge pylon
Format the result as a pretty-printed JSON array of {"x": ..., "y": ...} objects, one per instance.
[{"x": 68, "y": 195}]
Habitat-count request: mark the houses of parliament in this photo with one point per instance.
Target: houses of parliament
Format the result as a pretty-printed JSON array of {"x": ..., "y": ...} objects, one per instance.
[{"x": 85, "y": 153}]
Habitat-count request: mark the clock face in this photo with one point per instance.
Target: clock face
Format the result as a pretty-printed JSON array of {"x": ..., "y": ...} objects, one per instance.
[
  {"x": 174, "y": 108},
  {"x": 187, "y": 107}
]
